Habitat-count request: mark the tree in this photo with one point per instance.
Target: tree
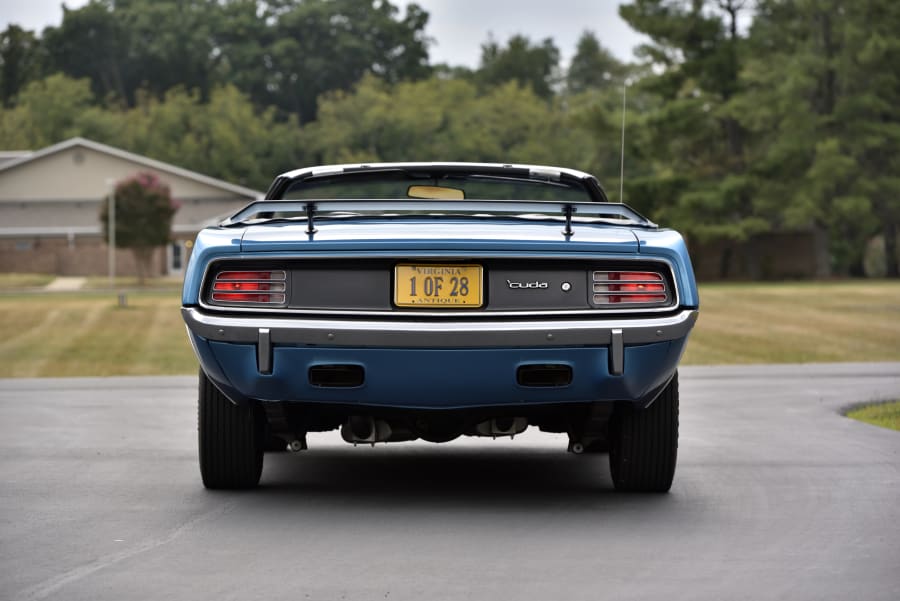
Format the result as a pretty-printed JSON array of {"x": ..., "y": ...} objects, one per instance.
[
  {"x": 693, "y": 134},
  {"x": 593, "y": 67},
  {"x": 871, "y": 111},
  {"x": 143, "y": 221},
  {"x": 532, "y": 66},
  {"x": 20, "y": 62},
  {"x": 822, "y": 103},
  {"x": 315, "y": 46},
  {"x": 283, "y": 53},
  {"x": 92, "y": 43},
  {"x": 46, "y": 111},
  {"x": 127, "y": 45},
  {"x": 225, "y": 137},
  {"x": 442, "y": 120}
]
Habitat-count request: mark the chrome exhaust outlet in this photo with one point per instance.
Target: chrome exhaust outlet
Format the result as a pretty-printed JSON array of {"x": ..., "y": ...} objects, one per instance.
[
  {"x": 502, "y": 426},
  {"x": 365, "y": 429}
]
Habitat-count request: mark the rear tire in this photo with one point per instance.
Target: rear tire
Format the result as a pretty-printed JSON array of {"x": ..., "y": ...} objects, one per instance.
[
  {"x": 231, "y": 440},
  {"x": 643, "y": 446}
]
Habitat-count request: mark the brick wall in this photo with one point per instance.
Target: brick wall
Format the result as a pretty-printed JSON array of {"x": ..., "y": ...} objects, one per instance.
[{"x": 77, "y": 256}]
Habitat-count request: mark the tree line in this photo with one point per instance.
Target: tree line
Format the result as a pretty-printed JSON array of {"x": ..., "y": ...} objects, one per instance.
[{"x": 743, "y": 117}]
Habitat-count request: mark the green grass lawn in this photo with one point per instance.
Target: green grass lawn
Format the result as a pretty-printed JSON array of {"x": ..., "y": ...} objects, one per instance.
[
  {"x": 18, "y": 281},
  {"x": 797, "y": 323},
  {"x": 87, "y": 333},
  {"x": 886, "y": 415}
]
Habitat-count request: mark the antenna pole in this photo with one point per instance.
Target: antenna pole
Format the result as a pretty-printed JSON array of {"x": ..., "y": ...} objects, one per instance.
[{"x": 622, "y": 161}]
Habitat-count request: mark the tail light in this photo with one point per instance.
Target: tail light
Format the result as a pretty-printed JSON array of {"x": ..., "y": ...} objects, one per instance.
[
  {"x": 250, "y": 287},
  {"x": 629, "y": 287}
]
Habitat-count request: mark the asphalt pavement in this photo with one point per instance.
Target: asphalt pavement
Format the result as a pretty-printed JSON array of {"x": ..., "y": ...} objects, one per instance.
[{"x": 776, "y": 496}]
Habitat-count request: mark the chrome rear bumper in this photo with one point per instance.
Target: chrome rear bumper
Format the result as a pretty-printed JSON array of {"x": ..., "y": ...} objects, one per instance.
[{"x": 409, "y": 334}]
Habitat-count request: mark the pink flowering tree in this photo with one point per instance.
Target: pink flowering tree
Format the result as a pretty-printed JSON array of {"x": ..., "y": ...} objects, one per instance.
[{"x": 144, "y": 211}]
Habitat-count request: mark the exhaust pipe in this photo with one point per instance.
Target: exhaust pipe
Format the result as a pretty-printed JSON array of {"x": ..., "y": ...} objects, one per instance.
[
  {"x": 365, "y": 429},
  {"x": 502, "y": 426}
]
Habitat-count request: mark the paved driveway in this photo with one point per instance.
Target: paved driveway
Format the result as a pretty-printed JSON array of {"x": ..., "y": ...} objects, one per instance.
[{"x": 776, "y": 497}]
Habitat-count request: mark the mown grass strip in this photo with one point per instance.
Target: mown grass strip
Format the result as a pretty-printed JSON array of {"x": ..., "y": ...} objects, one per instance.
[
  {"x": 810, "y": 322},
  {"x": 81, "y": 334},
  {"x": 886, "y": 415},
  {"x": 88, "y": 334},
  {"x": 18, "y": 281}
]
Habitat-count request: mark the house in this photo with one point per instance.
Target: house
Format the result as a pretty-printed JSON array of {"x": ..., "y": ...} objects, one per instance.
[{"x": 50, "y": 208}]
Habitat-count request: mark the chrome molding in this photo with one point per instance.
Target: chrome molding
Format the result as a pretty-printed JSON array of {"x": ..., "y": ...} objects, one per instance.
[
  {"x": 478, "y": 313},
  {"x": 430, "y": 334}
]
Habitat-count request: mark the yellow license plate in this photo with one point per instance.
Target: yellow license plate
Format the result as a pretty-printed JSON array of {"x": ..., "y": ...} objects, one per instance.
[{"x": 437, "y": 285}]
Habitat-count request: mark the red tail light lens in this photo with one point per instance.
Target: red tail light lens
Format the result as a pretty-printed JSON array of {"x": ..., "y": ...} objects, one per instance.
[
  {"x": 250, "y": 287},
  {"x": 629, "y": 287}
]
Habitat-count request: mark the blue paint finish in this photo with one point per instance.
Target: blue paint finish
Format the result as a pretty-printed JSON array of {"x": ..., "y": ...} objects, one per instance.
[
  {"x": 441, "y": 378},
  {"x": 210, "y": 243},
  {"x": 214, "y": 370},
  {"x": 435, "y": 237},
  {"x": 670, "y": 245}
]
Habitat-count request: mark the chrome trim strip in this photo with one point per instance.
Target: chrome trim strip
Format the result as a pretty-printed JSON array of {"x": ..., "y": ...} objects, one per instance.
[
  {"x": 470, "y": 313},
  {"x": 275, "y": 275},
  {"x": 432, "y": 334}
]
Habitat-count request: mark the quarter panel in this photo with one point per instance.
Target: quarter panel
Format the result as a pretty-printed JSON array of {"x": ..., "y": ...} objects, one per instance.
[
  {"x": 670, "y": 245},
  {"x": 210, "y": 243}
]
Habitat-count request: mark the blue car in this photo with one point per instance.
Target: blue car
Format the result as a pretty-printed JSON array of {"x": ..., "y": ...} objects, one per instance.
[{"x": 402, "y": 301}]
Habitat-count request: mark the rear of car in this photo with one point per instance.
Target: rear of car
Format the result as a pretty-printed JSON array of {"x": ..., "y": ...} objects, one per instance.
[{"x": 399, "y": 302}]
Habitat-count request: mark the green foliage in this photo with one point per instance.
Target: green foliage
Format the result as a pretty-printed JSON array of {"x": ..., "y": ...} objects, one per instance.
[
  {"x": 530, "y": 65},
  {"x": 225, "y": 136},
  {"x": 283, "y": 53},
  {"x": 696, "y": 142},
  {"x": 20, "y": 56},
  {"x": 593, "y": 67},
  {"x": 792, "y": 123},
  {"x": 439, "y": 119},
  {"x": 143, "y": 217},
  {"x": 92, "y": 43},
  {"x": 46, "y": 111},
  {"x": 822, "y": 104}
]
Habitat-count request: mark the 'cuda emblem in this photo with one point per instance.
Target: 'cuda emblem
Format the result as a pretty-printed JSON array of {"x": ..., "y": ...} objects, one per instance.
[{"x": 524, "y": 285}]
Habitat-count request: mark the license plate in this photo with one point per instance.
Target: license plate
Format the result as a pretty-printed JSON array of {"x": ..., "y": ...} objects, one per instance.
[{"x": 437, "y": 285}]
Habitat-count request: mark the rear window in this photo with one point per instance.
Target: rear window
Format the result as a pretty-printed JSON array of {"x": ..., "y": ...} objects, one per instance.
[{"x": 393, "y": 185}]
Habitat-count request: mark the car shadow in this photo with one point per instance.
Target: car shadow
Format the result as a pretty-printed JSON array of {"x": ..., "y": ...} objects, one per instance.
[{"x": 442, "y": 477}]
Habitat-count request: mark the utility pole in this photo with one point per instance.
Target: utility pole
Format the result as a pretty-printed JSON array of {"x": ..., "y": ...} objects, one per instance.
[{"x": 111, "y": 228}]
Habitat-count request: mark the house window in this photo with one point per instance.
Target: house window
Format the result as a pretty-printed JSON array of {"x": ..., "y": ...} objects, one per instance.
[
  {"x": 177, "y": 262},
  {"x": 23, "y": 245}
]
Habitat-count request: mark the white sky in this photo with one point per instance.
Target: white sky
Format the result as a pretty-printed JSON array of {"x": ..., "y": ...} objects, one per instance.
[{"x": 458, "y": 27}]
